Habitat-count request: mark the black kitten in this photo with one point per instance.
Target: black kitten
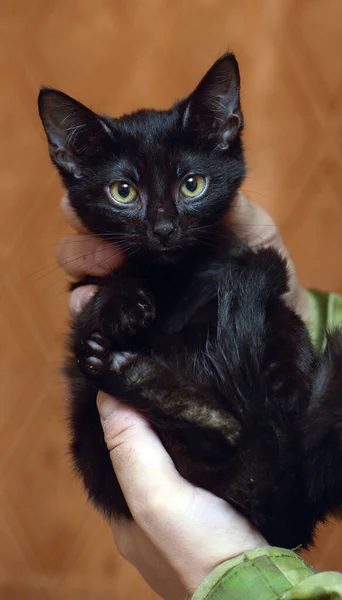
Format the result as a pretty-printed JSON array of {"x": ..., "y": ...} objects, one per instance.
[{"x": 193, "y": 330}]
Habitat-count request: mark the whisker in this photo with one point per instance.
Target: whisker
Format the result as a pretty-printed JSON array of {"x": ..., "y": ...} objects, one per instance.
[
  {"x": 256, "y": 225},
  {"x": 82, "y": 255},
  {"x": 253, "y": 192},
  {"x": 73, "y": 258},
  {"x": 39, "y": 274},
  {"x": 116, "y": 241}
]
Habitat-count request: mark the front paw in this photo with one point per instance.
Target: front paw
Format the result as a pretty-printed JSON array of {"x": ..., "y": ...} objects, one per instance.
[
  {"x": 122, "y": 315},
  {"x": 117, "y": 314},
  {"x": 136, "y": 312}
]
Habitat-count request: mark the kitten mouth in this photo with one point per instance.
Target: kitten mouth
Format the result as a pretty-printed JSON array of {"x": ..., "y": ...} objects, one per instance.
[
  {"x": 164, "y": 255},
  {"x": 165, "y": 252}
]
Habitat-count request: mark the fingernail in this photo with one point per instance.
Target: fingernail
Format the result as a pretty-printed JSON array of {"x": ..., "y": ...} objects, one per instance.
[
  {"x": 80, "y": 297},
  {"x": 106, "y": 405},
  {"x": 75, "y": 304}
]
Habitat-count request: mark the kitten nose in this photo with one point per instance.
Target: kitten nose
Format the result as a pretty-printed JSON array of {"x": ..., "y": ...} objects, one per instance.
[{"x": 163, "y": 229}]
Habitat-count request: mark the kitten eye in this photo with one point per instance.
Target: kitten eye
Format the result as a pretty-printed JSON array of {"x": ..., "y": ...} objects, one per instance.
[
  {"x": 193, "y": 186},
  {"x": 123, "y": 192}
]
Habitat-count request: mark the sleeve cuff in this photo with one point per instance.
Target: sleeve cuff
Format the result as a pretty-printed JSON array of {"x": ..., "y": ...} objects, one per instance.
[
  {"x": 265, "y": 574},
  {"x": 318, "y": 309},
  {"x": 325, "y": 314}
]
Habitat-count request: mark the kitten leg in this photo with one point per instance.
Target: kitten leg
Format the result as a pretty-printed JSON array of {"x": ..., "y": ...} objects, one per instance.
[
  {"x": 88, "y": 449},
  {"x": 120, "y": 310},
  {"x": 199, "y": 435},
  {"x": 262, "y": 340},
  {"x": 322, "y": 431}
]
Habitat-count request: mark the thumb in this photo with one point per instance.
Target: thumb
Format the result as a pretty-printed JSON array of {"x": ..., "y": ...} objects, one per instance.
[
  {"x": 254, "y": 226},
  {"x": 145, "y": 471}
]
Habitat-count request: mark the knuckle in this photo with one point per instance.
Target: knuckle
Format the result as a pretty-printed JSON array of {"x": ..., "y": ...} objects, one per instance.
[{"x": 118, "y": 438}]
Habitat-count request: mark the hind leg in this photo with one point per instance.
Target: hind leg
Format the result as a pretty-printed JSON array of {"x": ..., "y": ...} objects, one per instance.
[
  {"x": 265, "y": 344},
  {"x": 162, "y": 394},
  {"x": 88, "y": 449},
  {"x": 322, "y": 431}
]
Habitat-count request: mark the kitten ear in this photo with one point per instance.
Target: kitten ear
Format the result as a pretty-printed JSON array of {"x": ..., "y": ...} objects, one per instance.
[
  {"x": 214, "y": 109},
  {"x": 75, "y": 133}
]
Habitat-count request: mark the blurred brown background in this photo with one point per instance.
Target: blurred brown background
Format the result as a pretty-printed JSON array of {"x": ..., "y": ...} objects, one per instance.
[{"x": 118, "y": 55}]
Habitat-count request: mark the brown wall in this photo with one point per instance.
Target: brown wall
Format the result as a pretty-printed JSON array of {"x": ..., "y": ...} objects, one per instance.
[{"x": 119, "y": 55}]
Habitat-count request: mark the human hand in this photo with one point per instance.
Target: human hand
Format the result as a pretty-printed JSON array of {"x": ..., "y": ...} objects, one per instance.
[
  {"x": 253, "y": 225},
  {"x": 180, "y": 533},
  {"x": 83, "y": 254}
]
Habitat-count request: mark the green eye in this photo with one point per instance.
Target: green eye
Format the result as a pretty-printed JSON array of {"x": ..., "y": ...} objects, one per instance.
[
  {"x": 123, "y": 192},
  {"x": 193, "y": 186}
]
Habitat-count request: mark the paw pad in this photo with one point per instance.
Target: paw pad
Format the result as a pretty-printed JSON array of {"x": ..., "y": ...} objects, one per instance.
[
  {"x": 94, "y": 363},
  {"x": 96, "y": 343},
  {"x": 118, "y": 360}
]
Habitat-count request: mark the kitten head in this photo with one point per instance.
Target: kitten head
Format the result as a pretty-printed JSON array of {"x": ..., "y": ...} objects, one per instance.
[{"x": 155, "y": 182}]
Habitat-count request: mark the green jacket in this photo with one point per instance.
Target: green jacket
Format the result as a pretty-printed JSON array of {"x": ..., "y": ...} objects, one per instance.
[{"x": 274, "y": 573}]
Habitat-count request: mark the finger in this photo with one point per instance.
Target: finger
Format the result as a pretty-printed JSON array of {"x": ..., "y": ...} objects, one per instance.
[
  {"x": 145, "y": 471},
  {"x": 82, "y": 255},
  {"x": 80, "y": 297},
  {"x": 136, "y": 546},
  {"x": 255, "y": 227},
  {"x": 71, "y": 216},
  {"x": 253, "y": 224}
]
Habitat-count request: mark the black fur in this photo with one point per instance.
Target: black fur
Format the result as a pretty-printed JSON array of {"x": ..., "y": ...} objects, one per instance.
[{"x": 193, "y": 330}]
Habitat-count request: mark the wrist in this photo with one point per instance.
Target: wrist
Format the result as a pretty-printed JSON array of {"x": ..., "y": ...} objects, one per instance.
[
  {"x": 194, "y": 575},
  {"x": 255, "y": 574}
]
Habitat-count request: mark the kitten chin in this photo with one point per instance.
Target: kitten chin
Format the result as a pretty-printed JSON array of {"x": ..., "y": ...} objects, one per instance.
[{"x": 205, "y": 348}]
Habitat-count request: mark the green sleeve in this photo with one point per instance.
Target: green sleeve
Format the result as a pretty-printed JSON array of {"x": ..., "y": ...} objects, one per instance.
[
  {"x": 269, "y": 574},
  {"x": 325, "y": 313},
  {"x": 272, "y": 573}
]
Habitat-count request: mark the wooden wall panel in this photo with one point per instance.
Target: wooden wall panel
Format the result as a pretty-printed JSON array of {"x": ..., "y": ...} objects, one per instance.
[{"x": 119, "y": 55}]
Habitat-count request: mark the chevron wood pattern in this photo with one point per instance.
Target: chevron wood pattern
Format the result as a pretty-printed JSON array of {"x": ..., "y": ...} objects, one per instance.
[{"x": 116, "y": 56}]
